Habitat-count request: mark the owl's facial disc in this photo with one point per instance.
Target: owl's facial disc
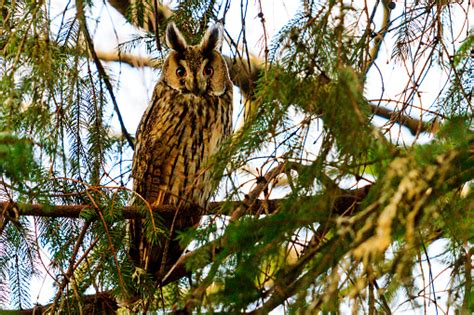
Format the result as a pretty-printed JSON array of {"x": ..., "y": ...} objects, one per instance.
[{"x": 194, "y": 73}]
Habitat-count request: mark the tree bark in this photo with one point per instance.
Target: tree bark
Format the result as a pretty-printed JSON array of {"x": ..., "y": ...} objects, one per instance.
[{"x": 343, "y": 202}]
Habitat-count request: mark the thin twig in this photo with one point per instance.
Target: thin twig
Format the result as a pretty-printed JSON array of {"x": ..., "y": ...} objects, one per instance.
[
  {"x": 70, "y": 271},
  {"x": 100, "y": 68}
]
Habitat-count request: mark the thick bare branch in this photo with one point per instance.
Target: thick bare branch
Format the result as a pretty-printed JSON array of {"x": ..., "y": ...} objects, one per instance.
[
  {"x": 416, "y": 126},
  {"x": 379, "y": 37},
  {"x": 346, "y": 202},
  {"x": 343, "y": 202},
  {"x": 99, "y": 303},
  {"x": 129, "y": 212},
  {"x": 129, "y": 59}
]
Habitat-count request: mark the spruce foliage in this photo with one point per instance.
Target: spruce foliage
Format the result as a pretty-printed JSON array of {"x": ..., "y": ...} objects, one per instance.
[{"x": 360, "y": 211}]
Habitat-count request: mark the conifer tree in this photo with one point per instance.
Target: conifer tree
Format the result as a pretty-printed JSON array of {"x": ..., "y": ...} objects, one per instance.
[{"x": 328, "y": 201}]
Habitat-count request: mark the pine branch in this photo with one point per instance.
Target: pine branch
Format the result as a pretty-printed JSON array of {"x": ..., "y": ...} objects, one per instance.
[
  {"x": 70, "y": 270},
  {"x": 374, "y": 51},
  {"x": 100, "y": 68},
  {"x": 129, "y": 59},
  {"x": 99, "y": 303},
  {"x": 416, "y": 126},
  {"x": 343, "y": 201}
]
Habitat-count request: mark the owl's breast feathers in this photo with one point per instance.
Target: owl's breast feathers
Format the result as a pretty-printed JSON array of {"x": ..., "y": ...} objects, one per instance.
[{"x": 175, "y": 139}]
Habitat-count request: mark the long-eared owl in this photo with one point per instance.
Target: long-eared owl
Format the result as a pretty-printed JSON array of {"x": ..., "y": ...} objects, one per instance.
[{"x": 189, "y": 117}]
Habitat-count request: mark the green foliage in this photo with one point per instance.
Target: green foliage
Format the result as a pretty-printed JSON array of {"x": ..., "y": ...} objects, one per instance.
[
  {"x": 16, "y": 158},
  {"x": 464, "y": 50},
  {"x": 18, "y": 262},
  {"x": 328, "y": 244},
  {"x": 54, "y": 136},
  {"x": 345, "y": 113}
]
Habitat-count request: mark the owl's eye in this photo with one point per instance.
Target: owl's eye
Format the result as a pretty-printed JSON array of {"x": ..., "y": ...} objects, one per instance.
[
  {"x": 180, "y": 71},
  {"x": 208, "y": 70}
]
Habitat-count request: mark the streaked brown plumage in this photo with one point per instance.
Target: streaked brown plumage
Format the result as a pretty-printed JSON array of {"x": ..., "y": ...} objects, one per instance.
[{"x": 188, "y": 118}]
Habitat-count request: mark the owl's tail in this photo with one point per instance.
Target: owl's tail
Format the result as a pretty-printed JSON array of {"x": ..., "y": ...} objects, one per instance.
[{"x": 156, "y": 252}]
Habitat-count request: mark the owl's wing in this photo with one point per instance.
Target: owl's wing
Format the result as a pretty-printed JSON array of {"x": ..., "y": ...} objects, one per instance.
[
  {"x": 148, "y": 137},
  {"x": 148, "y": 161}
]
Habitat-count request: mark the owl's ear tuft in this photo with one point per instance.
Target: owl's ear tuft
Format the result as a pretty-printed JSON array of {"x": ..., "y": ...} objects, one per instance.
[
  {"x": 212, "y": 40},
  {"x": 174, "y": 39}
]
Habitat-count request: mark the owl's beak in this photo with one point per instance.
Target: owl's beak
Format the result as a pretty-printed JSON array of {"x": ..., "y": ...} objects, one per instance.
[{"x": 196, "y": 84}]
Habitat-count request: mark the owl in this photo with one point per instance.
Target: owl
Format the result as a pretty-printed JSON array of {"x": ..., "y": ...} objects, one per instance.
[{"x": 189, "y": 117}]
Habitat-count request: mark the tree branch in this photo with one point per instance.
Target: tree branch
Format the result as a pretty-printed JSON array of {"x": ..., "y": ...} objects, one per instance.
[
  {"x": 128, "y": 212},
  {"x": 416, "y": 126},
  {"x": 343, "y": 202},
  {"x": 99, "y": 303},
  {"x": 374, "y": 51},
  {"x": 129, "y": 59},
  {"x": 100, "y": 68}
]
